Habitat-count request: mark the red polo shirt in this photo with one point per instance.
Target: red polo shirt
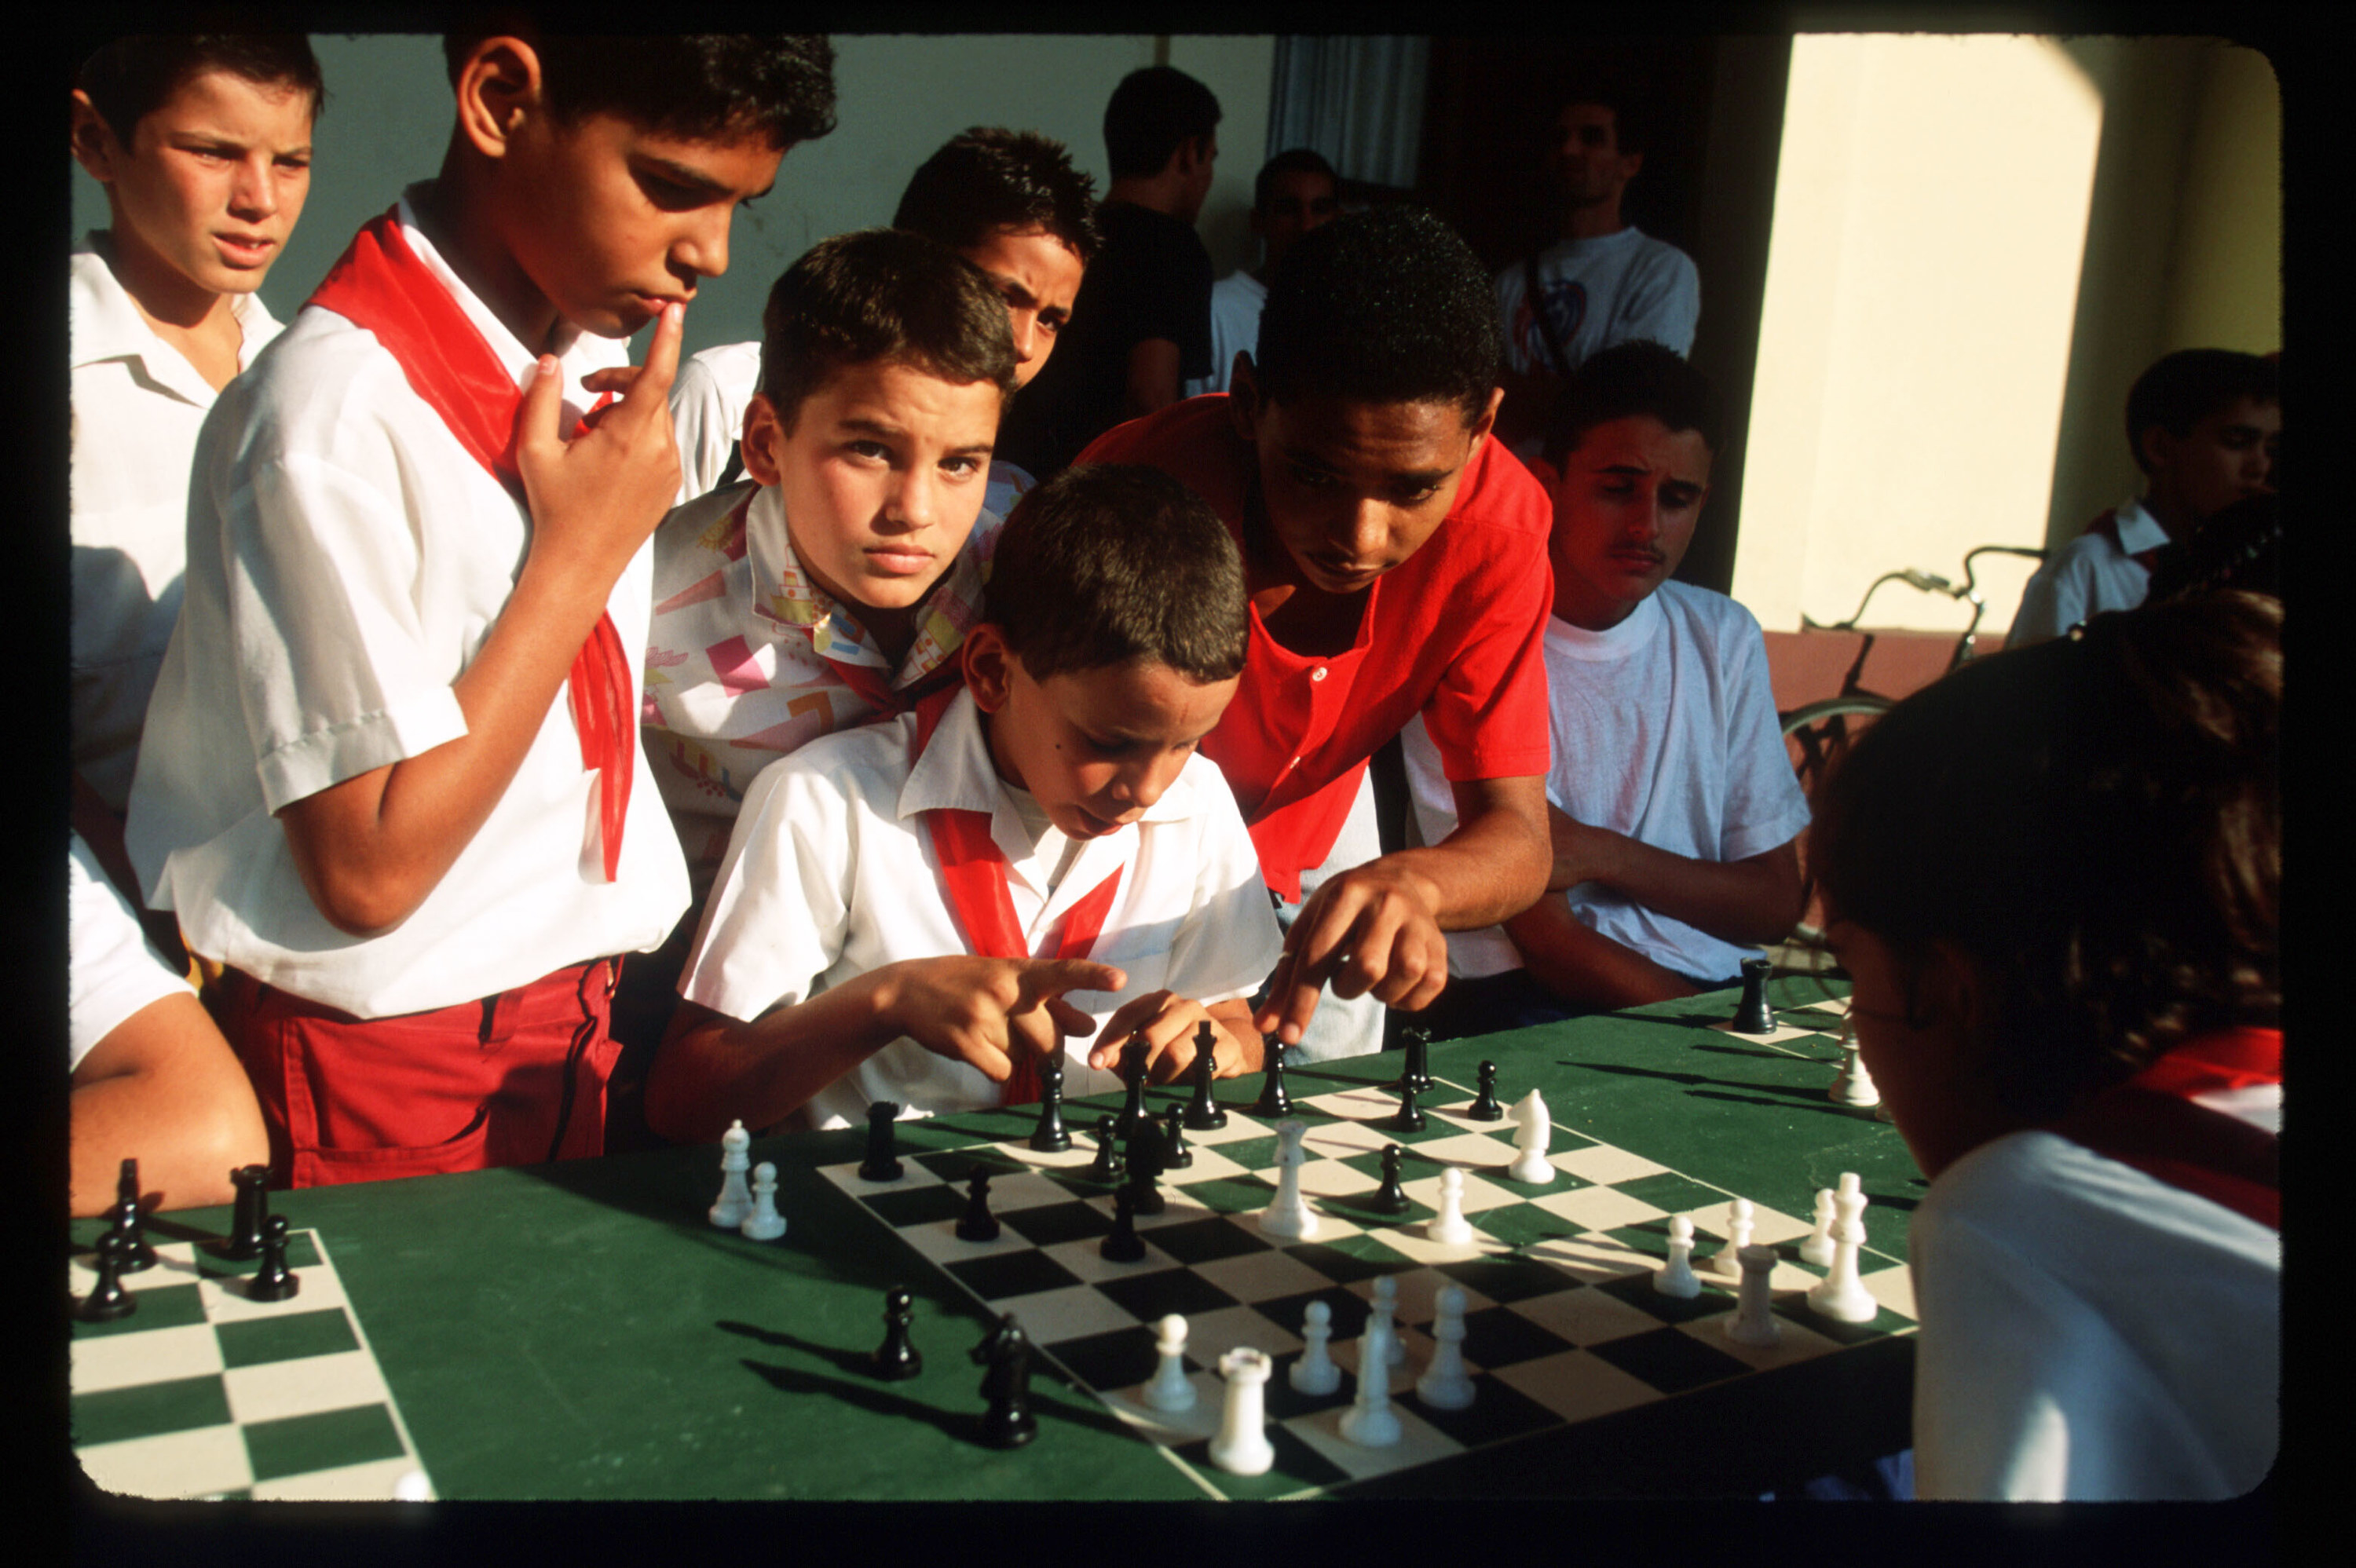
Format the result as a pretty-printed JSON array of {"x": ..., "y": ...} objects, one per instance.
[{"x": 1453, "y": 632}]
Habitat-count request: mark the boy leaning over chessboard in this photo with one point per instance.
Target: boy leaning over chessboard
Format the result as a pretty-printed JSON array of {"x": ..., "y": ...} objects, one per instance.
[{"x": 908, "y": 908}]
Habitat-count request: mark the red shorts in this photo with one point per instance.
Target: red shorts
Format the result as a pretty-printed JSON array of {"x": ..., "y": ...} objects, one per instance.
[{"x": 515, "y": 1079}]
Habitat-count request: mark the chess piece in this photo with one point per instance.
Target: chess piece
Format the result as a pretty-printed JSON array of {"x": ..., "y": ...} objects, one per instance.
[
  {"x": 1449, "y": 1227},
  {"x": 978, "y": 1224},
  {"x": 1853, "y": 1085},
  {"x": 1177, "y": 1154},
  {"x": 1754, "y": 1322},
  {"x": 1535, "y": 1128},
  {"x": 1203, "y": 1113},
  {"x": 896, "y": 1358},
  {"x": 1728, "y": 1259},
  {"x": 1370, "y": 1422},
  {"x": 764, "y": 1224},
  {"x": 1314, "y": 1372},
  {"x": 1241, "y": 1447},
  {"x": 1006, "y": 1353},
  {"x": 1484, "y": 1106},
  {"x": 883, "y": 1163},
  {"x": 1143, "y": 1157},
  {"x": 1752, "y": 1014},
  {"x": 274, "y": 1281},
  {"x": 1120, "y": 1244},
  {"x": 1051, "y": 1136},
  {"x": 1678, "y": 1278},
  {"x": 1819, "y": 1248},
  {"x": 1841, "y": 1295},
  {"x": 1445, "y": 1383},
  {"x": 1132, "y": 1077},
  {"x": 252, "y": 1208},
  {"x": 1408, "y": 1119},
  {"x": 736, "y": 1199},
  {"x": 1416, "y": 1072},
  {"x": 1385, "y": 1307},
  {"x": 1107, "y": 1166},
  {"x": 107, "y": 1300},
  {"x": 1391, "y": 1196},
  {"x": 1170, "y": 1389},
  {"x": 131, "y": 1220},
  {"x": 1273, "y": 1103},
  {"x": 1288, "y": 1218}
]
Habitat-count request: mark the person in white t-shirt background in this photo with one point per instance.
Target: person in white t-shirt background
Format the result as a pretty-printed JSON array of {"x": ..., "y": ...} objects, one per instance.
[
  {"x": 1295, "y": 192},
  {"x": 1674, "y": 810}
]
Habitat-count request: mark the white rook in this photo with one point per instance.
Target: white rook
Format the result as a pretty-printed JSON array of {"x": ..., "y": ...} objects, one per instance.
[{"x": 1242, "y": 1447}]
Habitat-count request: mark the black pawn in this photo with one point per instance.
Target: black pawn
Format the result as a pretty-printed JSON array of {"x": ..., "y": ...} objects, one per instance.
[
  {"x": 1408, "y": 1119},
  {"x": 978, "y": 1224},
  {"x": 130, "y": 1222},
  {"x": 246, "y": 1220},
  {"x": 1177, "y": 1154},
  {"x": 1391, "y": 1196},
  {"x": 107, "y": 1300},
  {"x": 1051, "y": 1136},
  {"x": 1144, "y": 1157},
  {"x": 1417, "y": 1073},
  {"x": 1484, "y": 1106},
  {"x": 1203, "y": 1113},
  {"x": 274, "y": 1281},
  {"x": 883, "y": 1162},
  {"x": 1121, "y": 1245},
  {"x": 896, "y": 1358},
  {"x": 1133, "y": 1074},
  {"x": 1273, "y": 1103},
  {"x": 1107, "y": 1166},
  {"x": 1752, "y": 1015},
  {"x": 1006, "y": 1384}
]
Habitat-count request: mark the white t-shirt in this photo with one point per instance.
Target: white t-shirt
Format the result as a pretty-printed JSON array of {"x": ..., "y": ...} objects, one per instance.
[
  {"x": 1236, "y": 301},
  {"x": 2089, "y": 575},
  {"x": 137, "y": 405},
  {"x": 1665, "y": 730},
  {"x": 2090, "y": 1332},
  {"x": 1615, "y": 288},
  {"x": 347, "y": 556},
  {"x": 111, "y": 971},
  {"x": 831, "y": 874}
]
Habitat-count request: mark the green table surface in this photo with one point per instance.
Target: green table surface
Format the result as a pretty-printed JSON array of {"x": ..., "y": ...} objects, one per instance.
[{"x": 581, "y": 1330}]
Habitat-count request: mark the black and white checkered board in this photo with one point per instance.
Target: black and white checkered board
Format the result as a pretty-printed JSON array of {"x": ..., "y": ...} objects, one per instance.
[
  {"x": 202, "y": 1392},
  {"x": 1563, "y": 1323}
]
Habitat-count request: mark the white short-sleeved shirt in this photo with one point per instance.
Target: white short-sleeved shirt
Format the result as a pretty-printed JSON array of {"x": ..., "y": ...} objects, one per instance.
[
  {"x": 2091, "y": 574},
  {"x": 831, "y": 874},
  {"x": 1236, "y": 301},
  {"x": 137, "y": 406},
  {"x": 1664, "y": 731},
  {"x": 346, "y": 558},
  {"x": 739, "y": 655},
  {"x": 111, "y": 971},
  {"x": 2090, "y": 1332}
]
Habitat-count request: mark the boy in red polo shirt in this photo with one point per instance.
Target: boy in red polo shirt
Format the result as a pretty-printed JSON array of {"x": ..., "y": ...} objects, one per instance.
[
  {"x": 418, "y": 585},
  {"x": 1396, "y": 558}
]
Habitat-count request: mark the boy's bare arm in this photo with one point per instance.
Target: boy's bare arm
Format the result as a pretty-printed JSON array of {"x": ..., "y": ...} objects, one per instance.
[
  {"x": 1582, "y": 966},
  {"x": 372, "y": 848},
  {"x": 164, "y": 1087},
  {"x": 1753, "y": 901},
  {"x": 1154, "y": 382}
]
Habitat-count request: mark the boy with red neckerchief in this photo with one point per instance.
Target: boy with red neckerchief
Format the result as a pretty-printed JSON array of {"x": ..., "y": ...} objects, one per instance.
[
  {"x": 908, "y": 908},
  {"x": 2055, "y": 880},
  {"x": 418, "y": 558}
]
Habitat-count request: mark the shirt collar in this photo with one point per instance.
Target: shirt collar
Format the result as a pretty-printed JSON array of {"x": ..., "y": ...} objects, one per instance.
[
  {"x": 786, "y": 597},
  {"x": 103, "y": 323},
  {"x": 2138, "y": 529},
  {"x": 581, "y": 352}
]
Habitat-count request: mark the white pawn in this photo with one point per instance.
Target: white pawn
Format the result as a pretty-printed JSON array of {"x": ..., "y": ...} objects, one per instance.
[
  {"x": 1853, "y": 1085},
  {"x": 1841, "y": 1295},
  {"x": 1290, "y": 1218},
  {"x": 1242, "y": 1447},
  {"x": 1386, "y": 1309},
  {"x": 764, "y": 1224},
  {"x": 1445, "y": 1385},
  {"x": 1314, "y": 1372},
  {"x": 734, "y": 1202},
  {"x": 1450, "y": 1226},
  {"x": 1819, "y": 1248},
  {"x": 1738, "y": 1224},
  {"x": 1678, "y": 1279},
  {"x": 1370, "y": 1422},
  {"x": 1535, "y": 1128},
  {"x": 1754, "y": 1322},
  {"x": 1170, "y": 1389}
]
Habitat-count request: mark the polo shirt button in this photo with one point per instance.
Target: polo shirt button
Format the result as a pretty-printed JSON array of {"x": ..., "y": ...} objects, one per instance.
[
  {"x": 1317, "y": 674},
  {"x": 1293, "y": 764}
]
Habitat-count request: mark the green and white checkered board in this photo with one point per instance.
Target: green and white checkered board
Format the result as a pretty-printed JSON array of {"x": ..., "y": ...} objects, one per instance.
[
  {"x": 202, "y": 1393},
  {"x": 1562, "y": 1322}
]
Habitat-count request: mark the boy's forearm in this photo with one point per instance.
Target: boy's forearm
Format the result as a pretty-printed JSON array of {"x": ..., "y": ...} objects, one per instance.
[
  {"x": 1753, "y": 901},
  {"x": 163, "y": 1088},
  {"x": 1494, "y": 864},
  {"x": 1582, "y": 966},
  {"x": 712, "y": 1069}
]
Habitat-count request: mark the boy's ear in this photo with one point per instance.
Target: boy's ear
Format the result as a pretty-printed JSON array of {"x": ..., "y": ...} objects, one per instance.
[
  {"x": 759, "y": 443},
  {"x": 989, "y": 666},
  {"x": 1243, "y": 398},
  {"x": 95, "y": 147},
  {"x": 1488, "y": 420},
  {"x": 497, "y": 87}
]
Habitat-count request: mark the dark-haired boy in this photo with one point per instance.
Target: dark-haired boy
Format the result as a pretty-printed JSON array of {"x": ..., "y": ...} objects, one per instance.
[
  {"x": 1674, "y": 810},
  {"x": 1396, "y": 557},
  {"x": 203, "y": 144},
  {"x": 1141, "y": 326},
  {"x": 910, "y": 909},
  {"x": 418, "y": 851},
  {"x": 1294, "y": 192},
  {"x": 1008, "y": 201},
  {"x": 2203, "y": 424}
]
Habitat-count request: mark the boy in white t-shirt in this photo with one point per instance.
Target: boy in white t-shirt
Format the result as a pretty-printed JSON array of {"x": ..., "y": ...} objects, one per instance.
[
  {"x": 1674, "y": 808},
  {"x": 909, "y": 908}
]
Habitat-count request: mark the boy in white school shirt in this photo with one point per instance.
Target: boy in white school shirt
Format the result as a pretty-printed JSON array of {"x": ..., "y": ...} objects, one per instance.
[
  {"x": 388, "y": 776},
  {"x": 908, "y": 909}
]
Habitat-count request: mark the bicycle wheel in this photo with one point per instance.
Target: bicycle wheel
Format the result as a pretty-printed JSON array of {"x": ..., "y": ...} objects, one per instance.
[{"x": 1817, "y": 736}]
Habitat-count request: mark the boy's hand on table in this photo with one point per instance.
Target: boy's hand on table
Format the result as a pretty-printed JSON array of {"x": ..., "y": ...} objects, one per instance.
[
  {"x": 1372, "y": 929},
  {"x": 596, "y": 497},
  {"x": 979, "y": 1010},
  {"x": 1168, "y": 1022}
]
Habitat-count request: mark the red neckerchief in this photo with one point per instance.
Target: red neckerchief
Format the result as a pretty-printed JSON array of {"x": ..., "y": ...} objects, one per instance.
[
  {"x": 2108, "y": 525},
  {"x": 381, "y": 286},
  {"x": 973, "y": 876},
  {"x": 2153, "y": 1123}
]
